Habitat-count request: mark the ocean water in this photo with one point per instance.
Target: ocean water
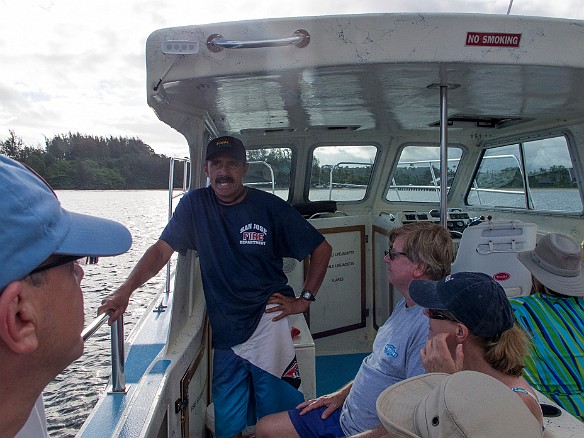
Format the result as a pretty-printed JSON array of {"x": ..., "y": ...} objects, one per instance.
[{"x": 71, "y": 396}]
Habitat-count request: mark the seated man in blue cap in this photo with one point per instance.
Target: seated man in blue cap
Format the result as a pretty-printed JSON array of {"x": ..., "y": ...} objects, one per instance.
[{"x": 41, "y": 304}]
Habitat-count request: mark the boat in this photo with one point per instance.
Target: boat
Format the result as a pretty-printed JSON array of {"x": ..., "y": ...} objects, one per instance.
[{"x": 363, "y": 123}]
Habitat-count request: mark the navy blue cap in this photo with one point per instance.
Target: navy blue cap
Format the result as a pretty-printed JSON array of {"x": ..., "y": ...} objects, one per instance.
[
  {"x": 35, "y": 226},
  {"x": 474, "y": 298}
]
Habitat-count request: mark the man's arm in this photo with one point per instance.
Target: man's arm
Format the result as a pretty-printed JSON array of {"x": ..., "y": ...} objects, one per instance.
[
  {"x": 317, "y": 267},
  {"x": 319, "y": 259},
  {"x": 147, "y": 267}
]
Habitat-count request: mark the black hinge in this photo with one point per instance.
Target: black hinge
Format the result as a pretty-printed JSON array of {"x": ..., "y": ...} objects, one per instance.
[{"x": 180, "y": 404}]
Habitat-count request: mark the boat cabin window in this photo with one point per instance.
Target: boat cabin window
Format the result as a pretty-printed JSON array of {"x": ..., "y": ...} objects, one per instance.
[
  {"x": 417, "y": 175},
  {"x": 543, "y": 180},
  {"x": 341, "y": 173},
  {"x": 269, "y": 170}
]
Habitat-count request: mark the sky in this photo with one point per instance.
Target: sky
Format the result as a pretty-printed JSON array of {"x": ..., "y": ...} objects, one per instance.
[{"x": 78, "y": 65}]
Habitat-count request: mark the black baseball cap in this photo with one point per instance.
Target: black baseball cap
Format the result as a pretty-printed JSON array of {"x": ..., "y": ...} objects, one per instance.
[
  {"x": 227, "y": 145},
  {"x": 474, "y": 298}
]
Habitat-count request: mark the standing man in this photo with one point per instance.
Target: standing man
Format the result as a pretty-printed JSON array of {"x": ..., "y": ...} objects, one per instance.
[
  {"x": 554, "y": 318},
  {"x": 41, "y": 304},
  {"x": 416, "y": 251},
  {"x": 240, "y": 235}
]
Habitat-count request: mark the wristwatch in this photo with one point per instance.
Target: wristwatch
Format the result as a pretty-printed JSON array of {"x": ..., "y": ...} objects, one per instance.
[{"x": 307, "y": 295}]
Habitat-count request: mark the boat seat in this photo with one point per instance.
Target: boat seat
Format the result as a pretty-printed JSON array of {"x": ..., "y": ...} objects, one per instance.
[
  {"x": 309, "y": 209},
  {"x": 492, "y": 247}
]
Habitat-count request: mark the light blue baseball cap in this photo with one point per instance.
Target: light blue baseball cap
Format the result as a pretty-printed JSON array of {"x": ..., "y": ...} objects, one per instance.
[{"x": 35, "y": 226}]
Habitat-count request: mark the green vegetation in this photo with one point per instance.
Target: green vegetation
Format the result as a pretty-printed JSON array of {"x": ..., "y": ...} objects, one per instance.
[
  {"x": 81, "y": 162},
  {"x": 279, "y": 159},
  {"x": 555, "y": 176}
]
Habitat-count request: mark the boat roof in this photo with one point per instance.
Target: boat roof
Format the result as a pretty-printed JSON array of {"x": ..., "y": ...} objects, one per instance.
[{"x": 376, "y": 72}]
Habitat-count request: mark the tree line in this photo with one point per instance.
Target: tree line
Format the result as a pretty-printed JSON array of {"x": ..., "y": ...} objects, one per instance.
[{"x": 82, "y": 162}]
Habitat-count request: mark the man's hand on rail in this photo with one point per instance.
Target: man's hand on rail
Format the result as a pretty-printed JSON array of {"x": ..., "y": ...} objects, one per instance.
[
  {"x": 286, "y": 305},
  {"x": 116, "y": 302},
  {"x": 147, "y": 267}
]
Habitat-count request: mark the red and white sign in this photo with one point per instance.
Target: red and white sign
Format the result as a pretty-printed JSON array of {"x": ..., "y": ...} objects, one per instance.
[
  {"x": 486, "y": 39},
  {"x": 501, "y": 276}
]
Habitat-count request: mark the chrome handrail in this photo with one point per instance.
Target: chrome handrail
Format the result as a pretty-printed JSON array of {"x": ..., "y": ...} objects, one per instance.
[
  {"x": 118, "y": 356},
  {"x": 271, "y": 173},
  {"x": 338, "y": 166},
  {"x": 117, "y": 328},
  {"x": 216, "y": 42},
  {"x": 117, "y": 348},
  {"x": 94, "y": 326},
  {"x": 185, "y": 187}
]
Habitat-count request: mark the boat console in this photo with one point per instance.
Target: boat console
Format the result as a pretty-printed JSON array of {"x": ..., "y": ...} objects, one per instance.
[{"x": 456, "y": 220}]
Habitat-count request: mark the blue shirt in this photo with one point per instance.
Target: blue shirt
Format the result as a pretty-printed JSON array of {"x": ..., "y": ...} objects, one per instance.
[
  {"x": 395, "y": 357},
  {"x": 240, "y": 249}
]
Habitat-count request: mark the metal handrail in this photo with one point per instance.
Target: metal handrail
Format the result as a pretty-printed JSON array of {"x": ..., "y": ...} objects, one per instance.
[
  {"x": 185, "y": 187},
  {"x": 338, "y": 165},
  {"x": 117, "y": 348},
  {"x": 216, "y": 42},
  {"x": 271, "y": 173},
  {"x": 118, "y": 356},
  {"x": 117, "y": 328},
  {"x": 94, "y": 326}
]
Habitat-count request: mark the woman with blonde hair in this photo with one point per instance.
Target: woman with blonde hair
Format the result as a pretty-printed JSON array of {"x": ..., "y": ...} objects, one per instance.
[{"x": 472, "y": 327}]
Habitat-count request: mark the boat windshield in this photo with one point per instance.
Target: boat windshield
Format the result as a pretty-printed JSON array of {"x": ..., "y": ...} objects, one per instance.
[
  {"x": 417, "y": 175},
  {"x": 534, "y": 175}
]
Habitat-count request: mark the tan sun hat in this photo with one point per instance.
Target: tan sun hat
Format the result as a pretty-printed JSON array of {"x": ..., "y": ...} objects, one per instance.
[
  {"x": 556, "y": 262},
  {"x": 465, "y": 404}
]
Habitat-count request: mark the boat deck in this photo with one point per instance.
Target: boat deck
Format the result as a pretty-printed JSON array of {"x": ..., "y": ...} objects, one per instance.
[{"x": 335, "y": 371}]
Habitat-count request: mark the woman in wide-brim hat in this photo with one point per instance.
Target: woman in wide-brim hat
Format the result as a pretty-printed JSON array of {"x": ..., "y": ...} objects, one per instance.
[
  {"x": 556, "y": 263},
  {"x": 553, "y": 315}
]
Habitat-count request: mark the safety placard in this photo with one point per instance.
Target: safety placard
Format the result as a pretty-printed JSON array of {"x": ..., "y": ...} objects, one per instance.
[{"x": 493, "y": 39}]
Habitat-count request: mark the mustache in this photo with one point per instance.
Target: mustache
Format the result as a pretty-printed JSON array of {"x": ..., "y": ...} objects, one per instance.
[{"x": 224, "y": 179}]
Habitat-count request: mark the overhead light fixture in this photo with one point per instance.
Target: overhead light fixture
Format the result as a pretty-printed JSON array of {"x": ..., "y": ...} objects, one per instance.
[
  {"x": 180, "y": 47},
  {"x": 449, "y": 85}
]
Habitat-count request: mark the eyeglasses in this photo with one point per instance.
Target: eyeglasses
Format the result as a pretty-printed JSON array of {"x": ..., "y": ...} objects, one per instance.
[
  {"x": 63, "y": 261},
  {"x": 393, "y": 254},
  {"x": 443, "y": 315}
]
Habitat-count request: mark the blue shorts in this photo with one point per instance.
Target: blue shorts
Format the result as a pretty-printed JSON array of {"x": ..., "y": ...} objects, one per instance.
[
  {"x": 311, "y": 425},
  {"x": 256, "y": 378}
]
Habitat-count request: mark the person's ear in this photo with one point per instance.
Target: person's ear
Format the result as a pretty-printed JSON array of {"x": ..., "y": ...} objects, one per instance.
[
  {"x": 462, "y": 333},
  {"x": 419, "y": 270},
  {"x": 18, "y": 318}
]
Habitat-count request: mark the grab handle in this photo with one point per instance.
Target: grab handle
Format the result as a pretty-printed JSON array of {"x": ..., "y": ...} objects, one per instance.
[
  {"x": 216, "y": 42},
  {"x": 96, "y": 324}
]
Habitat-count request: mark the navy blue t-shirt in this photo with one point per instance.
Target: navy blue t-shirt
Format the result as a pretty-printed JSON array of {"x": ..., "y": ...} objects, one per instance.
[{"x": 240, "y": 250}]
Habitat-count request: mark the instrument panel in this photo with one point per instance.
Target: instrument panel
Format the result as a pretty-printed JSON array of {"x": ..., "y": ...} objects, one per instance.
[{"x": 456, "y": 219}]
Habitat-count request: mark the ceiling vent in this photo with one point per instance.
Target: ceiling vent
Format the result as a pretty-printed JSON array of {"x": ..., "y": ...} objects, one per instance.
[
  {"x": 267, "y": 131},
  {"x": 498, "y": 122},
  {"x": 333, "y": 128}
]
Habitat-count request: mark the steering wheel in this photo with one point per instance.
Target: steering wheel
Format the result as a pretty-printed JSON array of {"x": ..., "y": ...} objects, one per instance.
[{"x": 455, "y": 234}]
